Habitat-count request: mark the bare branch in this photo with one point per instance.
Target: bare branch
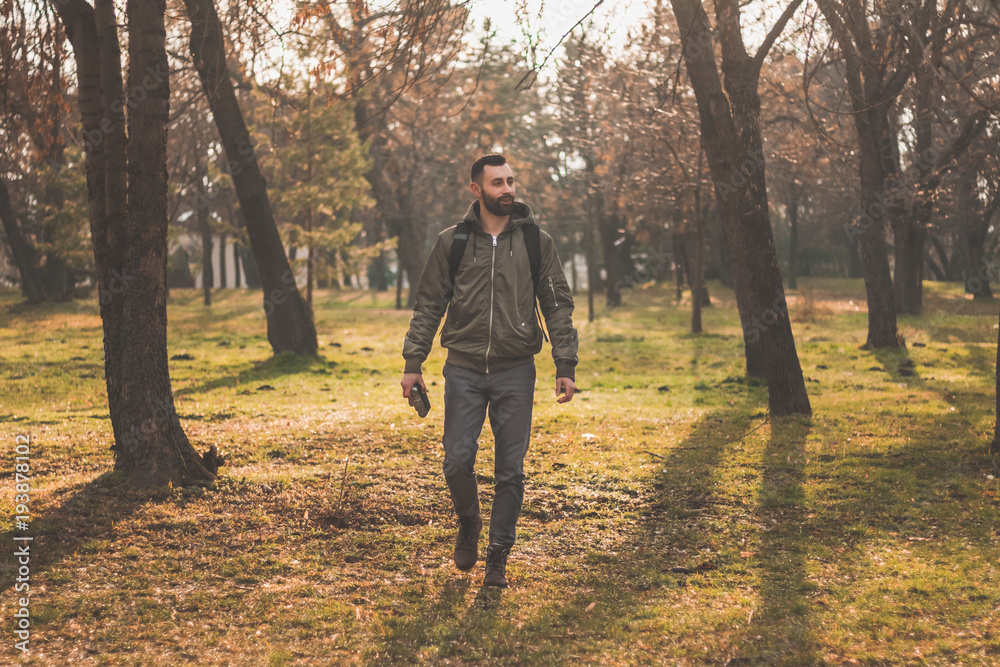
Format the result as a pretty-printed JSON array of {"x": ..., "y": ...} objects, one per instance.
[
  {"x": 533, "y": 72},
  {"x": 772, "y": 36}
]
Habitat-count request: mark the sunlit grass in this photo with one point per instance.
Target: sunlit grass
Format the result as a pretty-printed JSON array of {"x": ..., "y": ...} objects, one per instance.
[{"x": 666, "y": 520}]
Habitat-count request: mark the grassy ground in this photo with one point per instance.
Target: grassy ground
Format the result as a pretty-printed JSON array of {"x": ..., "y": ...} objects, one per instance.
[{"x": 667, "y": 519}]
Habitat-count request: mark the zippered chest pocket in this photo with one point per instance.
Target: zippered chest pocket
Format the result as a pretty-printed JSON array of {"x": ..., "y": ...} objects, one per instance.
[{"x": 554, "y": 292}]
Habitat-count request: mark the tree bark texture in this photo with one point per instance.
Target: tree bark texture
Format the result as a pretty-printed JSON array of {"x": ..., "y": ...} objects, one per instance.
[{"x": 289, "y": 325}]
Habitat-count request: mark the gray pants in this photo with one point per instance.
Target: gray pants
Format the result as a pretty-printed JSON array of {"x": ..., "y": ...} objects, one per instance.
[{"x": 508, "y": 395}]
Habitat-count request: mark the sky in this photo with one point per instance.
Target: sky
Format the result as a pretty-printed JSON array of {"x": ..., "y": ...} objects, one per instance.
[{"x": 551, "y": 20}]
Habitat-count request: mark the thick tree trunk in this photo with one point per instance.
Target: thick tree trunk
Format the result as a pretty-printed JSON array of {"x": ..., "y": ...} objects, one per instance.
[
  {"x": 909, "y": 237},
  {"x": 289, "y": 325},
  {"x": 732, "y": 143},
  {"x": 25, "y": 257},
  {"x": 154, "y": 450},
  {"x": 80, "y": 22},
  {"x": 911, "y": 229},
  {"x": 410, "y": 251},
  {"x": 871, "y": 98},
  {"x": 150, "y": 445},
  {"x": 58, "y": 283},
  {"x": 974, "y": 228},
  {"x": 869, "y": 234}
]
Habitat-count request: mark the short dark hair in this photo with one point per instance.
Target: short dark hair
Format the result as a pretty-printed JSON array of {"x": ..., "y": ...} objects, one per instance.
[{"x": 493, "y": 159}]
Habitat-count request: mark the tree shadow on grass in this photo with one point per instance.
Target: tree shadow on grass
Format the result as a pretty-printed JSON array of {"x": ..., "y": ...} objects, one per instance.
[
  {"x": 778, "y": 628},
  {"x": 281, "y": 365},
  {"x": 83, "y": 522},
  {"x": 609, "y": 581}
]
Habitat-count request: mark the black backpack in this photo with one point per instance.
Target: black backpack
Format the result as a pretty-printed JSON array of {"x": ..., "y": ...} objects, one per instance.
[{"x": 532, "y": 242}]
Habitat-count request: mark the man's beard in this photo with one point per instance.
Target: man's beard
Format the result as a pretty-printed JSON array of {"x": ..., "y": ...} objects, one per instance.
[{"x": 498, "y": 207}]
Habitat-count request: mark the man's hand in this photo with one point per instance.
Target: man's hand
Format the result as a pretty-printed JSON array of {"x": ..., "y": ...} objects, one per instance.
[
  {"x": 410, "y": 379},
  {"x": 565, "y": 389}
]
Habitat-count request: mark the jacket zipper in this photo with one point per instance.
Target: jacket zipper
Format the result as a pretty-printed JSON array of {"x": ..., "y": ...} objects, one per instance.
[
  {"x": 552, "y": 286},
  {"x": 493, "y": 269}
]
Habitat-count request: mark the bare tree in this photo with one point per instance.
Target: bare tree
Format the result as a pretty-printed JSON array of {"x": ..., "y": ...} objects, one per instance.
[
  {"x": 730, "y": 133},
  {"x": 290, "y": 327}
]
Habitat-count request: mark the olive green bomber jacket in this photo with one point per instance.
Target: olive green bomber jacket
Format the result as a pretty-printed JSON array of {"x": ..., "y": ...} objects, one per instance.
[{"x": 491, "y": 324}]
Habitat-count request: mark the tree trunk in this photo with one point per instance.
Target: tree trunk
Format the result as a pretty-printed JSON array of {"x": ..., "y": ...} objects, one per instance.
[
  {"x": 612, "y": 266},
  {"x": 720, "y": 256},
  {"x": 289, "y": 325},
  {"x": 154, "y": 450},
  {"x": 871, "y": 99},
  {"x": 25, "y": 257},
  {"x": 995, "y": 445},
  {"x": 237, "y": 255},
  {"x": 940, "y": 274},
  {"x": 680, "y": 263},
  {"x": 400, "y": 270},
  {"x": 207, "y": 265},
  {"x": 150, "y": 445},
  {"x": 732, "y": 143},
  {"x": 793, "y": 236},
  {"x": 975, "y": 227},
  {"x": 235, "y": 224},
  {"x": 943, "y": 274},
  {"x": 909, "y": 236},
  {"x": 410, "y": 251},
  {"x": 593, "y": 277},
  {"x": 870, "y": 237},
  {"x": 223, "y": 280},
  {"x": 698, "y": 290},
  {"x": 207, "y": 268}
]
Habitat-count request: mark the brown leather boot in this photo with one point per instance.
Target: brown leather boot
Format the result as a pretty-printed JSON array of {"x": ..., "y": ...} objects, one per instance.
[
  {"x": 467, "y": 544},
  {"x": 496, "y": 566}
]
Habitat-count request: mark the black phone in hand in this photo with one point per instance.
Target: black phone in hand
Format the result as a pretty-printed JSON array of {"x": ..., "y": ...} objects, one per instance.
[{"x": 419, "y": 400}]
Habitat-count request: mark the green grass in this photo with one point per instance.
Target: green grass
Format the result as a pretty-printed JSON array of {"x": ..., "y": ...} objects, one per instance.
[{"x": 667, "y": 519}]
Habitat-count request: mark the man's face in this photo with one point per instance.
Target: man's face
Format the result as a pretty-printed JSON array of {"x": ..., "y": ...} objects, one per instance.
[{"x": 496, "y": 190}]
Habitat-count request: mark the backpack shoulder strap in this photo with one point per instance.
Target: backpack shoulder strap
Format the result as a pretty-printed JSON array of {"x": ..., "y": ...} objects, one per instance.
[
  {"x": 532, "y": 242},
  {"x": 458, "y": 246}
]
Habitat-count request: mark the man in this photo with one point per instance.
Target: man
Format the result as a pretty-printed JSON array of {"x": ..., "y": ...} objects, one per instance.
[{"x": 492, "y": 334}]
